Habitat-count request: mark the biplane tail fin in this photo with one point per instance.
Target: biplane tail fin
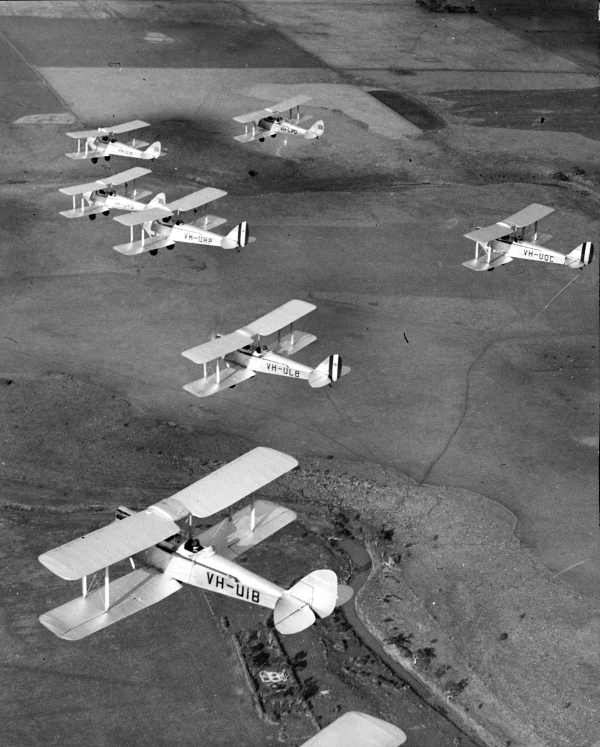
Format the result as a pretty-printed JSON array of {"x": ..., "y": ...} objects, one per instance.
[
  {"x": 298, "y": 607},
  {"x": 581, "y": 255},
  {"x": 328, "y": 371},
  {"x": 316, "y": 130},
  {"x": 238, "y": 237},
  {"x": 152, "y": 151}
]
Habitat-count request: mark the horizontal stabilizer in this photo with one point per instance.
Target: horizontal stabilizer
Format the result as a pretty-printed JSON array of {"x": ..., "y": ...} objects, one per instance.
[
  {"x": 319, "y": 589},
  {"x": 234, "y": 536},
  {"x": 109, "y": 544},
  {"x": 291, "y": 615},
  {"x": 229, "y": 377},
  {"x": 359, "y": 729},
  {"x": 137, "y": 143},
  {"x": 289, "y": 344},
  {"x": 129, "y": 594},
  {"x": 233, "y": 481}
]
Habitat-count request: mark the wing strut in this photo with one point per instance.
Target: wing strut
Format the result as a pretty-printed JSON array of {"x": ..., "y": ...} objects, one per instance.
[{"x": 106, "y": 589}]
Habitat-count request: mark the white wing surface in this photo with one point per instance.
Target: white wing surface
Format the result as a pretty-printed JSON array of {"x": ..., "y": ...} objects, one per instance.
[
  {"x": 487, "y": 233},
  {"x": 529, "y": 215},
  {"x": 218, "y": 348},
  {"x": 287, "y": 104},
  {"x": 116, "y": 541},
  {"x": 196, "y": 199},
  {"x": 135, "y": 124},
  {"x": 79, "y": 189},
  {"x": 111, "y": 181},
  {"x": 279, "y": 318},
  {"x": 234, "y": 481},
  {"x": 133, "y": 592},
  {"x": 252, "y": 116},
  {"x": 359, "y": 730},
  {"x": 142, "y": 216}
]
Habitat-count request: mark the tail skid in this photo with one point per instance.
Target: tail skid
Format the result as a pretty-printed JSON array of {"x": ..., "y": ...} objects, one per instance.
[{"x": 315, "y": 593}]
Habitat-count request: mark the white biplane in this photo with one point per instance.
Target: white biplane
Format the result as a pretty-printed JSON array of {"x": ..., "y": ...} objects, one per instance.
[
  {"x": 245, "y": 354},
  {"x": 161, "y": 226},
  {"x": 101, "y": 195},
  {"x": 266, "y": 122},
  {"x": 102, "y": 143},
  {"x": 163, "y": 559},
  {"x": 510, "y": 239}
]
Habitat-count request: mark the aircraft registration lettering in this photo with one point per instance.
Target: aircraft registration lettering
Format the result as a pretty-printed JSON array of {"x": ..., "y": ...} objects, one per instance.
[
  {"x": 241, "y": 591},
  {"x": 282, "y": 370},
  {"x": 538, "y": 255}
]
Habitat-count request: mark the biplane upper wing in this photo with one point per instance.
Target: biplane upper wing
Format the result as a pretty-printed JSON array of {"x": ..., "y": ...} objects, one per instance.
[
  {"x": 135, "y": 124},
  {"x": 80, "y": 189},
  {"x": 142, "y": 216},
  {"x": 279, "y": 318},
  {"x": 252, "y": 116},
  {"x": 110, "y": 181},
  {"x": 196, "y": 199},
  {"x": 526, "y": 217},
  {"x": 287, "y": 104},
  {"x": 218, "y": 348},
  {"x": 358, "y": 729},
  {"x": 233, "y": 481},
  {"x": 118, "y": 540},
  {"x": 487, "y": 233}
]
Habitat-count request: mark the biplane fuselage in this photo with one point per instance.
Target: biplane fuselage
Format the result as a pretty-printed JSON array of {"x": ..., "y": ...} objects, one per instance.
[
  {"x": 105, "y": 147},
  {"x": 179, "y": 232},
  {"x": 263, "y": 360},
  {"x": 527, "y": 250}
]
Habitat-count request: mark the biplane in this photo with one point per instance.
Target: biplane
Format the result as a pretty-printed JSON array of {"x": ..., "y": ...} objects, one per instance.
[
  {"x": 102, "y": 196},
  {"x": 102, "y": 143},
  {"x": 516, "y": 237},
  {"x": 244, "y": 353},
  {"x": 162, "y": 226},
  {"x": 359, "y": 730},
  {"x": 268, "y": 122},
  {"x": 165, "y": 555}
]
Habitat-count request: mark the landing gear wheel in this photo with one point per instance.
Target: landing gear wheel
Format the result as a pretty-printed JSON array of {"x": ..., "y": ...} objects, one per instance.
[
  {"x": 92, "y": 216},
  {"x": 105, "y": 212},
  {"x": 171, "y": 247},
  {"x": 153, "y": 252},
  {"x": 94, "y": 160},
  {"x": 261, "y": 140},
  {"x": 275, "y": 135},
  {"x": 107, "y": 158}
]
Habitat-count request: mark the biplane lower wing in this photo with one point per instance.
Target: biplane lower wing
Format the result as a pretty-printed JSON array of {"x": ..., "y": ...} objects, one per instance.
[
  {"x": 81, "y": 155},
  {"x": 82, "y": 212},
  {"x": 139, "y": 247},
  {"x": 480, "y": 264},
  {"x": 291, "y": 343},
  {"x": 129, "y": 594},
  {"x": 246, "y": 528},
  {"x": 208, "y": 222},
  {"x": 246, "y": 137},
  {"x": 227, "y": 378}
]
